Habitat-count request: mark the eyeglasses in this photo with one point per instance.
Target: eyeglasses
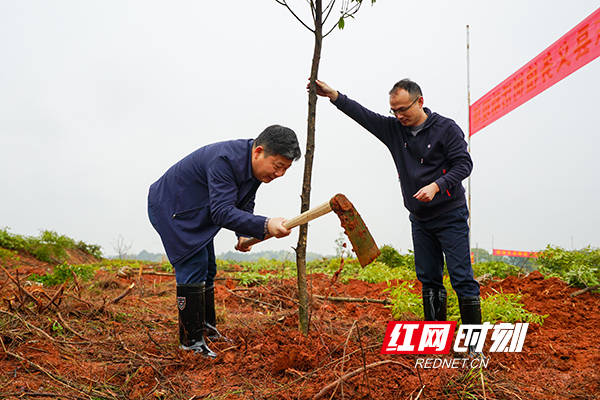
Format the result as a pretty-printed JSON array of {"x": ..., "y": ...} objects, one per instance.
[{"x": 403, "y": 109}]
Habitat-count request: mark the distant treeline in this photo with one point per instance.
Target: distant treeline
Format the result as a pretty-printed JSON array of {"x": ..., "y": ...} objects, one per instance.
[
  {"x": 230, "y": 255},
  {"x": 269, "y": 255}
]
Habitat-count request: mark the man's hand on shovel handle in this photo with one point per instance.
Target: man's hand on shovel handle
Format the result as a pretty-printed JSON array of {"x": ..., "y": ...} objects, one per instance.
[
  {"x": 239, "y": 246},
  {"x": 276, "y": 228}
]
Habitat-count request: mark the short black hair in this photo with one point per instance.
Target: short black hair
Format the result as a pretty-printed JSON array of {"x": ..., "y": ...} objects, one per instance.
[
  {"x": 411, "y": 87},
  {"x": 279, "y": 140}
]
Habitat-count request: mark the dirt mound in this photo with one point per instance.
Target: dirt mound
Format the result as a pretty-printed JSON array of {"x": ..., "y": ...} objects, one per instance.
[
  {"x": 28, "y": 264},
  {"x": 87, "y": 345}
]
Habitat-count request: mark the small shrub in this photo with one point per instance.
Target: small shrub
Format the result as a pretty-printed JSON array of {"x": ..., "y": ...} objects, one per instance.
[
  {"x": 11, "y": 241},
  {"x": 378, "y": 272},
  {"x": 6, "y": 255},
  {"x": 498, "y": 307},
  {"x": 49, "y": 246},
  {"x": 403, "y": 297},
  {"x": 404, "y": 300},
  {"x": 506, "y": 307},
  {"x": 252, "y": 278},
  {"x": 579, "y": 268},
  {"x": 92, "y": 249},
  {"x": 63, "y": 273},
  {"x": 166, "y": 267},
  {"x": 393, "y": 259},
  {"x": 496, "y": 269}
]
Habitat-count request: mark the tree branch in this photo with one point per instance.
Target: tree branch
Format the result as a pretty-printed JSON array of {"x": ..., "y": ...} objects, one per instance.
[
  {"x": 311, "y": 4},
  {"x": 353, "y": 299},
  {"x": 331, "y": 30},
  {"x": 326, "y": 11},
  {"x": 345, "y": 14},
  {"x": 284, "y": 3}
]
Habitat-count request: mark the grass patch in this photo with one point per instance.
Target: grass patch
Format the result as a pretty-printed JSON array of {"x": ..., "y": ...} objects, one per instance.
[
  {"x": 263, "y": 270},
  {"x": 375, "y": 272},
  {"x": 8, "y": 255},
  {"x": 64, "y": 272}
]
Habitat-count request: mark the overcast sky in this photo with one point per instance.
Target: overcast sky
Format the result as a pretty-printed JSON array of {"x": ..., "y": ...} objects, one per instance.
[{"x": 98, "y": 99}]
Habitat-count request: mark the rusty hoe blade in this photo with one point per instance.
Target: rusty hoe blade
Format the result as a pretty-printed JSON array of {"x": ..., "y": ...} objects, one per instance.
[{"x": 363, "y": 243}]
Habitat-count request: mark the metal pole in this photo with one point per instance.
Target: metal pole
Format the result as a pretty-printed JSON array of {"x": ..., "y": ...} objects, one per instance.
[{"x": 469, "y": 125}]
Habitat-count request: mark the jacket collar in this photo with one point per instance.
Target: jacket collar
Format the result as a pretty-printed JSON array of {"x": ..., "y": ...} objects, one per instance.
[{"x": 248, "y": 176}]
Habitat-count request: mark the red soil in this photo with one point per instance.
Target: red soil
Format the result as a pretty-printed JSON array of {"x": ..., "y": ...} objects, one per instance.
[{"x": 130, "y": 348}]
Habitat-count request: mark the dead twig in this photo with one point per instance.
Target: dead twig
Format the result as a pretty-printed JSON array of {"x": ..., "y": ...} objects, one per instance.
[
  {"x": 20, "y": 289},
  {"x": 53, "y": 299},
  {"x": 149, "y": 362},
  {"x": 353, "y": 299},
  {"x": 251, "y": 299},
  {"x": 584, "y": 290},
  {"x": 344, "y": 355},
  {"x": 76, "y": 282},
  {"x": 81, "y": 300},
  {"x": 420, "y": 392},
  {"x": 27, "y": 324},
  {"x": 313, "y": 372},
  {"x": 157, "y": 273},
  {"x": 125, "y": 293},
  {"x": 57, "y": 378},
  {"x": 37, "y": 394},
  {"x": 362, "y": 350},
  {"x": 353, "y": 374},
  {"x": 482, "y": 383},
  {"x": 64, "y": 323},
  {"x": 35, "y": 328}
]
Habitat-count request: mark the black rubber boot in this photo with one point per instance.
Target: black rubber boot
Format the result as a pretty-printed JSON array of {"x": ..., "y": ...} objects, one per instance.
[
  {"x": 192, "y": 319},
  {"x": 212, "y": 332},
  {"x": 470, "y": 313},
  {"x": 434, "y": 304}
]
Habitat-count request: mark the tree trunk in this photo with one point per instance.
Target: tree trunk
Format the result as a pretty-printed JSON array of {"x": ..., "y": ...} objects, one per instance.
[{"x": 308, "y": 162}]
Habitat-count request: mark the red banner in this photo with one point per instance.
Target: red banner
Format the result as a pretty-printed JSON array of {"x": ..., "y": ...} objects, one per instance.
[
  {"x": 515, "y": 253},
  {"x": 569, "y": 53}
]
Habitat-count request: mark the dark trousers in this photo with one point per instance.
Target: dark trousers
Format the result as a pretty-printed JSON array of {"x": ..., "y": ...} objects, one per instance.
[
  {"x": 446, "y": 235},
  {"x": 201, "y": 267}
]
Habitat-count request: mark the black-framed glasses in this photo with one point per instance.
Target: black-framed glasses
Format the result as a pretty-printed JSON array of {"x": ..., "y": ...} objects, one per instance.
[{"x": 403, "y": 109}]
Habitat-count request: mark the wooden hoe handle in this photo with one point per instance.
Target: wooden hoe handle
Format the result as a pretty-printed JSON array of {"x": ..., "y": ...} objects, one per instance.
[{"x": 301, "y": 219}]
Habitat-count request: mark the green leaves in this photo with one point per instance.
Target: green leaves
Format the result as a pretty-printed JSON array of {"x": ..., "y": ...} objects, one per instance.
[
  {"x": 390, "y": 256},
  {"x": 499, "y": 307},
  {"x": 497, "y": 269},
  {"x": 579, "y": 268},
  {"x": 506, "y": 307},
  {"x": 64, "y": 272},
  {"x": 341, "y": 23}
]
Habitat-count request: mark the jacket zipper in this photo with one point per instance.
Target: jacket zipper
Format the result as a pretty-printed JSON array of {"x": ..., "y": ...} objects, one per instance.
[{"x": 178, "y": 214}]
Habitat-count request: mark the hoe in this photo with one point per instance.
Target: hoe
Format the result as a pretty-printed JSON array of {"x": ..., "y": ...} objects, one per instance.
[{"x": 363, "y": 243}]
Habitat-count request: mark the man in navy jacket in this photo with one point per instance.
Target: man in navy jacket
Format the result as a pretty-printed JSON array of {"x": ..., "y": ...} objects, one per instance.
[
  {"x": 212, "y": 188},
  {"x": 432, "y": 160}
]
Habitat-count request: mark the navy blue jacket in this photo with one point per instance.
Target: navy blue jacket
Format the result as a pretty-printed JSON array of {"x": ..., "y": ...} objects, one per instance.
[
  {"x": 437, "y": 154},
  {"x": 210, "y": 189}
]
